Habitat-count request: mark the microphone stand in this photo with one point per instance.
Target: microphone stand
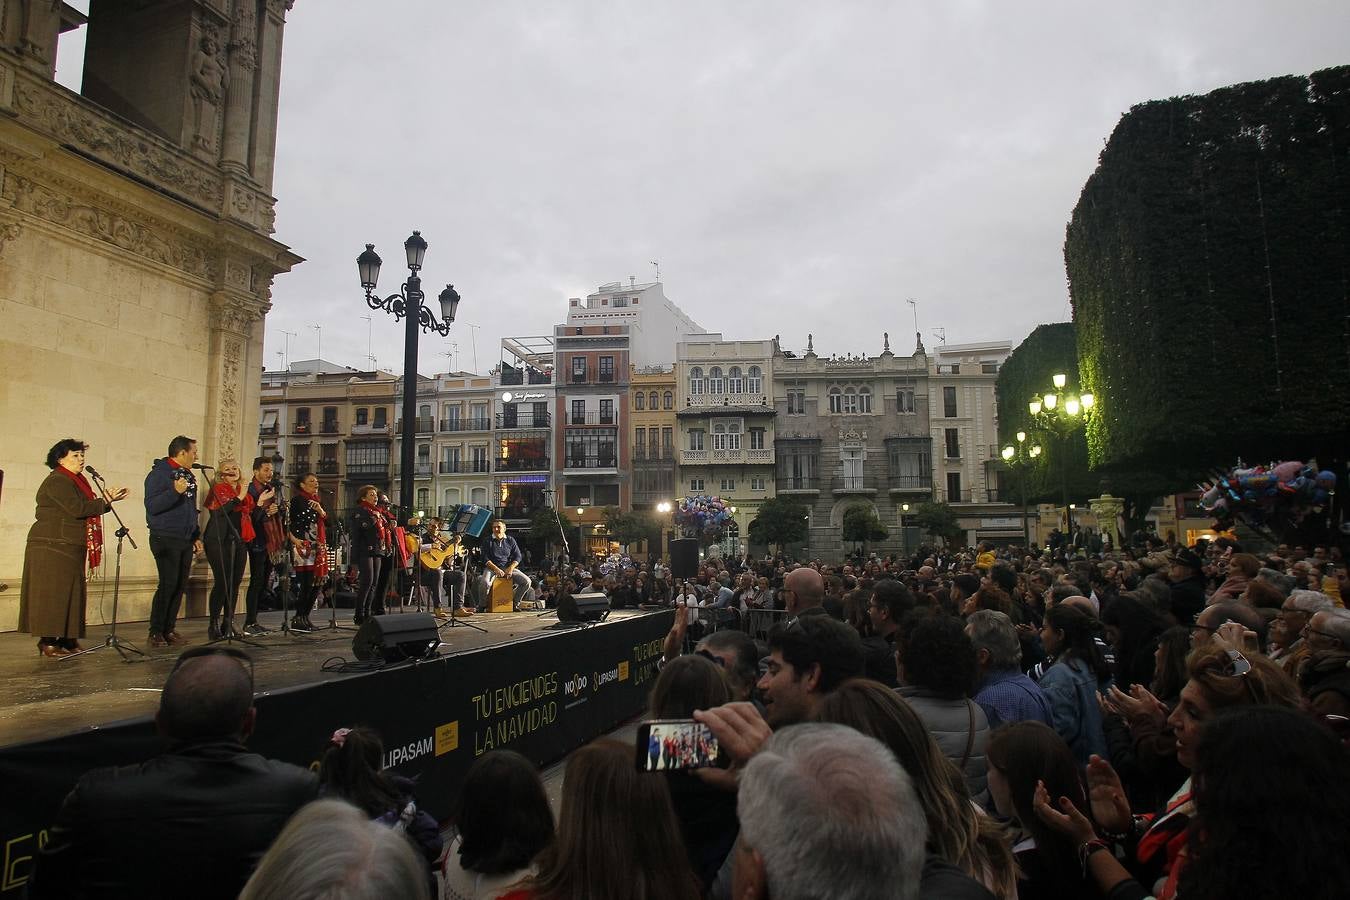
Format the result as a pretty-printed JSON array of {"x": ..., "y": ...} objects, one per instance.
[
  {"x": 336, "y": 550},
  {"x": 227, "y": 613},
  {"x": 123, "y": 533}
]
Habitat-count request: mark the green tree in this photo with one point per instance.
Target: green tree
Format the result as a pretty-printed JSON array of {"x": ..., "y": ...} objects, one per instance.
[
  {"x": 1206, "y": 260},
  {"x": 862, "y": 525},
  {"x": 781, "y": 520},
  {"x": 628, "y": 527},
  {"x": 544, "y": 528},
  {"x": 938, "y": 520}
]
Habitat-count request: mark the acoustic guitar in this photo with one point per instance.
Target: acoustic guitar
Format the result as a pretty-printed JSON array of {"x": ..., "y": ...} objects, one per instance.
[{"x": 442, "y": 549}]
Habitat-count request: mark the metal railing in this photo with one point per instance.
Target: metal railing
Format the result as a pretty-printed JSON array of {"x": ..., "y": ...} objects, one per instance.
[
  {"x": 859, "y": 483},
  {"x": 523, "y": 464},
  {"x": 328, "y": 467},
  {"x": 367, "y": 428},
  {"x": 474, "y": 423},
  {"x": 798, "y": 484},
  {"x": 910, "y": 483},
  {"x": 608, "y": 461},
  {"x": 330, "y": 426},
  {"x": 592, "y": 418},
  {"x": 523, "y": 420}
]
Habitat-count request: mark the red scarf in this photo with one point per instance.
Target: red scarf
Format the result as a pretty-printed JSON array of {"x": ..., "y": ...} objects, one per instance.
[
  {"x": 223, "y": 493},
  {"x": 321, "y": 552},
  {"x": 93, "y": 526},
  {"x": 378, "y": 515}
]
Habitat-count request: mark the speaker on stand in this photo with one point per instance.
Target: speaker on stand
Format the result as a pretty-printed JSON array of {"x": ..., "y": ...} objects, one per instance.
[{"x": 684, "y": 558}]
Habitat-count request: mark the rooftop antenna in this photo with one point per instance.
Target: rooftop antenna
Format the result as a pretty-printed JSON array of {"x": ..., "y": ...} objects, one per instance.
[
  {"x": 370, "y": 355},
  {"x": 286, "y": 358},
  {"x": 914, "y": 307},
  {"x": 318, "y": 349},
  {"x": 473, "y": 342},
  {"x": 656, "y": 265},
  {"x": 451, "y": 353},
  {"x": 632, "y": 282},
  {"x": 940, "y": 334}
]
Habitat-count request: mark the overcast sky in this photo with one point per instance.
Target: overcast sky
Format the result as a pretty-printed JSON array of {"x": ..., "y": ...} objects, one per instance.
[{"x": 794, "y": 167}]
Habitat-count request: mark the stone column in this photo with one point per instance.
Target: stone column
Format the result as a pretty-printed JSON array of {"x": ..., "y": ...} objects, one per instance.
[
  {"x": 234, "y": 318},
  {"x": 268, "y": 90},
  {"x": 243, "y": 55}
]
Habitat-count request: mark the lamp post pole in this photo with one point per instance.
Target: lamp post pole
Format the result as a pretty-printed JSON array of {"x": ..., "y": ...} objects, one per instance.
[
  {"x": 407, "y": 304},
  {"x": 1019, "y": 457},
  {"x": 1061, "y": 414}
]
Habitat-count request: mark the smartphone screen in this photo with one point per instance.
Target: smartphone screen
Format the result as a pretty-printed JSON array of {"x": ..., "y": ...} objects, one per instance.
[{"x": 675, "y": 745}]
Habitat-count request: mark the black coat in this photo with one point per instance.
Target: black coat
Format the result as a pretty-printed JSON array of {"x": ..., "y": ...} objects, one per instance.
[
  {"x": 191, "y": 822},
  {"x": 1188, "y": 599},
  {"x": 364, "y": 534}
]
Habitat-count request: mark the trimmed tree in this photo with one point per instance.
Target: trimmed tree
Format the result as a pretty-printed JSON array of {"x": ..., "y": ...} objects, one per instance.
[
  {"x": 781, "y": 521},
  {"x": 862, "y": 525},
  {"x": 1207, "y": 260},
  {"x": 544, "y": 528},
  {"x": 938, "y": 520}
]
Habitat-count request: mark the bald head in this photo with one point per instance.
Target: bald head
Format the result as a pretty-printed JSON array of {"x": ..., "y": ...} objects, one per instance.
[
  {"x": 1334, "y": 622},
  {"x": 808, "y": 589},
  {"x": 207, "y": 697},
  {"x": 1214, "y": 616},
  {"x": 1082, "y": 604}
]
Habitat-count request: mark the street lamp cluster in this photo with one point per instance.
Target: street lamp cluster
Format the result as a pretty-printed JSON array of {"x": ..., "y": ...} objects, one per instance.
[
  {"x": 1020, "y": 457},
  {"x": 1060, "y": 414},
  {"x": 407, "y": 303}
]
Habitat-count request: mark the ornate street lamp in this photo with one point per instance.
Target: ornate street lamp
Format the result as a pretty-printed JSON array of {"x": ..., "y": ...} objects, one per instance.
[
  {"x": 1061, "y": 415},
  {"x": 1019, "y": 458},
  {"x": 408, "y": 304}
]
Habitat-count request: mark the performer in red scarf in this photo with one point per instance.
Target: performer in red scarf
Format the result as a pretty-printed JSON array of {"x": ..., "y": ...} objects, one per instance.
[
  {"x": 67, "y": 535},
  {"x": 229, "y": 531},
  {"x": 309, "y": 541}
]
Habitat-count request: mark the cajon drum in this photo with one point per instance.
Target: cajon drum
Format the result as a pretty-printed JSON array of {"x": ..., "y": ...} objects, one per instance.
[{"x": 501, "y": 598}]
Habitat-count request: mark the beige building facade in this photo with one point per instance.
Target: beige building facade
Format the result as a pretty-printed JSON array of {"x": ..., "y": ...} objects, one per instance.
[{"x": 136, "y": 249}]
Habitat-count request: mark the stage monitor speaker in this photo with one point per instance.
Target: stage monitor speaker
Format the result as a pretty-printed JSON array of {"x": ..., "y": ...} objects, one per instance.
[
  {"x": 397, "y": 637},
  {"x": 684, "y": 557},
  {"x": 586, "y": 606}
]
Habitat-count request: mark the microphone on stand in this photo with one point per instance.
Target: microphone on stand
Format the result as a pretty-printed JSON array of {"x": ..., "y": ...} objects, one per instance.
[
  {"x": 92, "y": 471},
  {"x": 199, "y": 466}
]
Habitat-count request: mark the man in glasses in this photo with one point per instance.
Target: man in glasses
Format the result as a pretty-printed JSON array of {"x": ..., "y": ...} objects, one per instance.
[
  {"x": 192, "y": 822},
  {"x": 1324, "y": 675}
]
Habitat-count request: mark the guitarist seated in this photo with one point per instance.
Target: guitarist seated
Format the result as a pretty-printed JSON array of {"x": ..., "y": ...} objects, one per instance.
[{"x": 436, "y": 572}]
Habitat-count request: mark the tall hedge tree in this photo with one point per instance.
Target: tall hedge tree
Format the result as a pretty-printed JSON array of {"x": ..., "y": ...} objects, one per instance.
[{"x": 1209, "y": 269}]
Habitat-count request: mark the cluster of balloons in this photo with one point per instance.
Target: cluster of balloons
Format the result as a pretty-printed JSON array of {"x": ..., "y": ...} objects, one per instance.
[
  {"x": 702, "y": 513},
  {"x": 616, "y": 563},
  {"x": 1288, "y": 491}
]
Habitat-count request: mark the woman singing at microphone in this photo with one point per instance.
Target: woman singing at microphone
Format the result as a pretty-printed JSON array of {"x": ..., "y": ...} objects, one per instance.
[
  {"x": 229, "y": 531},
  {"x": 309, "y": 538},
  {"x": 67, "y": 534}
]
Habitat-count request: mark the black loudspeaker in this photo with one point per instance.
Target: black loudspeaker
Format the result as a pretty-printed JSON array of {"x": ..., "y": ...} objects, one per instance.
[
  {"x": 684, "y": 558},
  {"x": 397, "y": 637},
  {"x": 586, "y": 606}
]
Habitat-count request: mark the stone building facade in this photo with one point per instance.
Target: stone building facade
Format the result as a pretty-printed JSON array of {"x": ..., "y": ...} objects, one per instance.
[
  {"x": 853, "y": 429},
  {"x": 136, "y": 248}
]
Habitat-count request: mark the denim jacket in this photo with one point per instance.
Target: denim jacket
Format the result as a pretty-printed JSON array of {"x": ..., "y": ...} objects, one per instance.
[{"x": 1072, "y": 689}]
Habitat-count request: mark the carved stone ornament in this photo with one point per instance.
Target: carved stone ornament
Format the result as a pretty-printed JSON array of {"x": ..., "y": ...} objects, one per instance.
[
  {"x": 9, "y": 231},
  {"x": 243, "y": 46},
  {"x": 112, "y": 142},
  {"x": 234, "y": 316},
  {"x": 231, "y": 363},
  {"x": 138, "y": 238},
  {"x": 852, "y": 437}
]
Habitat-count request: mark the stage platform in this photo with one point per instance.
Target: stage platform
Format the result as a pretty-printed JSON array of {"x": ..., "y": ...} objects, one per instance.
[{"x": 523, "y": 683}]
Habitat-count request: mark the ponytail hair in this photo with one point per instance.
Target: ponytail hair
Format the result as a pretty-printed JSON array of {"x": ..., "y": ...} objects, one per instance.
[{"x": 352, "y": 769}]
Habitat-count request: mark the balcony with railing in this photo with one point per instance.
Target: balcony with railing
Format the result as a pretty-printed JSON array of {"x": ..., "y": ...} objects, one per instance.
[
  {"x": 852, "y": 484},
  {"x": 368, "y": 428},
  {"x": 526, "y": 419},
  {"x": 368, "y": 470},
  {"x": 736, "y": 457},
  {"x": 450, "y": 467},
  {"x": 911, "y": 484},
  {"x": 593, "y": 375},
  {"x": 607, "y": 461},
  {"x": 330, "y": 426},
  {"x": 477, "y": 466},
  {"x": 518, "y": 512},
  {"x": 422, "y": 470},
  {"x": 511, "y": 376},
  {"x": 473, "y": 423},
  {"x": 592, "y": 418},
  {"x": 798, "y": 485},
  {"x": 424, "y": 424},
  {"x": 301, "y": 427},
  {"x": 658, "y": 454},
  {"x": 328, "y": 467},
  {"x": 265, "y": 430},
  {"x": 523, "y": 464}
]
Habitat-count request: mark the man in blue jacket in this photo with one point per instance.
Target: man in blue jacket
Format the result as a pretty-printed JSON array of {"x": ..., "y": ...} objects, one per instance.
[
  {"x": 501, "y": 558},
  {"x": 175, "y": 537}
]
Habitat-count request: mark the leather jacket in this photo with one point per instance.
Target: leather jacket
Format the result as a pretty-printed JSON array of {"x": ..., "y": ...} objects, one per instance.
[{"x": 192, "y": 822}]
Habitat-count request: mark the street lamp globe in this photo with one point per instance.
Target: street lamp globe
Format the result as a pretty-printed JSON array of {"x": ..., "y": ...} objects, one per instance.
[
  {"x": 1050, "y": 401},
  {"x": 1088, "y": 401},
  {"x": 449, "y": 303},
  {"x": 904, "y": 507},
  {"x": 1008, "y": 453},
  {"x": 1059, "y": 380},
  {"x": 1035, "y": 406},
  {"x": 368, "y": 265},
  {"x": 416, "y": 249},
  {"x": 1035, "y": 451},
  {"x": 1071, "y": 406},
  {"x": 1021, "y": 436}
]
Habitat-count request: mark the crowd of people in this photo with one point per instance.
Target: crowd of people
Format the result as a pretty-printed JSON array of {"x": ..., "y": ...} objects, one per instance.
[{"x": 1159, "y": 721}]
